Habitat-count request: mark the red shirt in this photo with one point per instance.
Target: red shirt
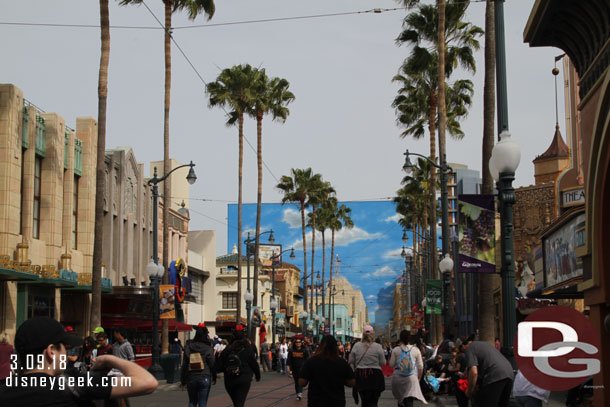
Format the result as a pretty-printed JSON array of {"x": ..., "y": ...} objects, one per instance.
[{"x": 6, "y": 350}]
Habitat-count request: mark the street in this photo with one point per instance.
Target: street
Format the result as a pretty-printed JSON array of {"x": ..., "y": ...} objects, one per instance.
[{"x": 272, "y": 390}]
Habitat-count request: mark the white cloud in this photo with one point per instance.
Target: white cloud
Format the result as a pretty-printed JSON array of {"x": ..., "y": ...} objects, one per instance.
[
  {"x": 371, "y": 297},
  {"x": 293, "y": 218},
  {"x": 388, "y": 283},
  {"x": 385, "y": 271},
  {"x": 393, "y": 218},
  {"x": 343, "y": 237}
]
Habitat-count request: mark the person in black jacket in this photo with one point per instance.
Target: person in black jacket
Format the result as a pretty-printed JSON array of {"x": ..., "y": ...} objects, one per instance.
[
  {"x": 296, "y": 359},
  {"x": 198, "y": 377},
  {"x": 238, "y": 364}
]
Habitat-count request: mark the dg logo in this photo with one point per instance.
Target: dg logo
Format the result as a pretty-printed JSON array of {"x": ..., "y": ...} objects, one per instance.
[{"x": 557, "y": 348}]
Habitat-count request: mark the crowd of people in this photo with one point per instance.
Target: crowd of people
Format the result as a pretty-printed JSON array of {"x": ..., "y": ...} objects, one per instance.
[{"x": 475, "y": 372}]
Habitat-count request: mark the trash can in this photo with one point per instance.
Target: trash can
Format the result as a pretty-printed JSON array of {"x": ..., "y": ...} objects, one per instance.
[{"x": 170, "y": 362}]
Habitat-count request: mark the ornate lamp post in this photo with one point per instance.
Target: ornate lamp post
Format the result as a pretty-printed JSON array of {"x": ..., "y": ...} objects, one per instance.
[
  {"x": 248, "y": 242},
  {"x": 317, "y": 319},
  {"x": 445, "y": 266},
  {"x": 505, "y": 158},
  {"x": 155, "y": 272},
  {"x": 304, "y": 318},
  {"x": 273, "y": 305}
]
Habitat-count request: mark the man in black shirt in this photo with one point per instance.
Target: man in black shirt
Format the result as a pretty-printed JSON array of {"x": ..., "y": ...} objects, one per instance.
[
  {"x": 327, "y": 374},
  {"x": 41, "y": 360},
  {"x": 296, "y": 358}
]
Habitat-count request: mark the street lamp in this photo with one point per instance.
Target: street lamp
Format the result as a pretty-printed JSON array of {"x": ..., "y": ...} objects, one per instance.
[
  {"x": 248, "y": 243},
  {"x": 274, "y": 259},
  {"x": 445, "y": 266},
  {"x": 155, "y": 272},
  {"x": 248, "y": 297},
  {"x": 154, "y": 182},
  {"x": 505, "y": 158}
]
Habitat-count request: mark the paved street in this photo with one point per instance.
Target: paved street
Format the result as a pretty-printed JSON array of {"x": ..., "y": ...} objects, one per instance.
[{"x": 272, "y": 390}]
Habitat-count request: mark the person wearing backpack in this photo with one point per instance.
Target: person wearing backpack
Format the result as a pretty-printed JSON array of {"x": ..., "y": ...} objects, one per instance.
[
  {"x": 197, "y": 373},
  {"x": 239, "y": 365},
  {"x": 367, "y": 359},
  {"x": 408, "y": 368}
]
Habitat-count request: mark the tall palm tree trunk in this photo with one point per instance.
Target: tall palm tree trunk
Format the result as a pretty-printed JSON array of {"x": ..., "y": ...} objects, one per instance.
[
  {"x": 239, "y": 208},
  {"x": 486, "y": 308},
  {"x": 259, "y": 199},
  {"x": 313, "y": 250},
  {"x": 100, "y": 172},
  {"x": 323, "y": 271},
  {"x": 166, "y": 163},
  {"x": 330, "y": 280},
  {"x": 304, "y": 255}
]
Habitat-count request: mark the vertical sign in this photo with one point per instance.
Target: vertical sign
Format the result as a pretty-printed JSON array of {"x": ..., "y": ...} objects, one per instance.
[
  {"x": 434, "y": 297},
  {"x": 167, "y": 298},
  {"x": 477, "y": 234}
]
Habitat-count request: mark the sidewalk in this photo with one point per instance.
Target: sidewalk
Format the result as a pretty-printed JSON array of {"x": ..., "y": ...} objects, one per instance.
[{"x": 557, "y": 399}]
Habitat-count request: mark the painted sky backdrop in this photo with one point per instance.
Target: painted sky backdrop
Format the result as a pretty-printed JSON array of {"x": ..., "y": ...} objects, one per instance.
[{"x": 369, "y": 252}]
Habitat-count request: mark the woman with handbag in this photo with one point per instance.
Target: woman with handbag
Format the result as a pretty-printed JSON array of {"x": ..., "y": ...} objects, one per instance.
[{"x": 367, "y": 359}]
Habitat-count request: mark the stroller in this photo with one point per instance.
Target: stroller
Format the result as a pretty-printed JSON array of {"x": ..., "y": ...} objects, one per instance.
[{"x": 429, "y": 387}]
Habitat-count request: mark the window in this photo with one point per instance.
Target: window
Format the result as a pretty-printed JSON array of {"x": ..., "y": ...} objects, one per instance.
[
  {"x": 37, "y": 186},
  {"x": 75, "y": 212},
  {"x": 338, "y": 323},
  {"x": 229, "y": 300},
  {"x": 22, "y": 181}
]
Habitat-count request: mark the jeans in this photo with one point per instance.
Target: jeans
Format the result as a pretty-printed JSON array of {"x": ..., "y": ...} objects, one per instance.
[
  {"x": 496, "y": 394},
  {"x": 528, "y": 401},
  {"x": 283, "y": 368},
  {"x": 198, "y": 390},
  {"x": 295, "y": 375}
]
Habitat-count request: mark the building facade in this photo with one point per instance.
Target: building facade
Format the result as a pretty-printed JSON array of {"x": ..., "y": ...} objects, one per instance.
[
  {"x": 201, "y": 305},
  {"x": 47, "y": 192}
]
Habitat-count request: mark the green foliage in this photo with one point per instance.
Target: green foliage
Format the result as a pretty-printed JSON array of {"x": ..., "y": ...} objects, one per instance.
[{"x": 193, "y": 7}]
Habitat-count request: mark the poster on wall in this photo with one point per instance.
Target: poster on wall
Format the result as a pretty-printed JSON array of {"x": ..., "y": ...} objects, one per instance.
[
  {"x": 434, "y": 297},
  {"x": 266, "y": 251},
  {"x": 167, "y": 297},
  {"x": 255, "y": 319},
  {"x": 477, "y": 234},
  {"x": 560, "y": 261}
]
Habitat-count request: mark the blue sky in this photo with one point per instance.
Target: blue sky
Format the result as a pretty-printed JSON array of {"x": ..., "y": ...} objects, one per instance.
[{"x": 369, "y": 253}]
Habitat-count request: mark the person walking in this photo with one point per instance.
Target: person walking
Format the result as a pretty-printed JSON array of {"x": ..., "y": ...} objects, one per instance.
[
  {"x": 491, "y": 371},
  {"x": 265, "y": 357},
  {"x": 121, "y": 349},
  {"x": 6, "y": 350},
  {"x": 408, "y": 367},
  {"x": 88, "y": 354},
  {"x": 296, "y": 359},
  {"x": 528, "y": 394},
  {"x": 239, "y": 365},
  {"x": 326, "y": 374},
  {"x": 283, "y": 356},
  {"x": 367, "y": 359},
  {"x": 198, "y": 373}
]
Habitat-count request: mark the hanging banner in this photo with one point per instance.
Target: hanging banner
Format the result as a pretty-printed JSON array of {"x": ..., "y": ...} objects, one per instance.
[
  {"x": 477, "y": 234},
  {"x": 167, "y": 299},
  {"x": 255, "y": 319},
  {"x": 434, "y": 297},
  {"x": 280, "y": 323},
  {"x": 267, "y": 251}
]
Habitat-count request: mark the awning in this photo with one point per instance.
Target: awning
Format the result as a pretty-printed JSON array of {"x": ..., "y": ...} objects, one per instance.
[
  {"x": 142, "y": 324},
  {"x": 15, "y": 275}
]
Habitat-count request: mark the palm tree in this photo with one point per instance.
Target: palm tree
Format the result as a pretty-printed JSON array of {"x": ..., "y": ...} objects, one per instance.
[
  {"x": 486, "y": 308},
  {"x": 100, "y": 172},
  {"x": 321, "y": 191},
  {"x": 269, "y": 96},
  {"x": 194, "y": 8},
  {"x": 296, "y": 188},
  {"x": 232, "y": 89},
  {"x": 339, "y": 219},
  {"x": 323, "y": 218}
]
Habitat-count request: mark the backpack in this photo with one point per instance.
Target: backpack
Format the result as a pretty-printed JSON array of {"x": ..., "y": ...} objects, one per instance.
[
  {"x": 233, "y": 365},
  {"x": 406, "y": 364},
  {"x": 195, "y": 361}
]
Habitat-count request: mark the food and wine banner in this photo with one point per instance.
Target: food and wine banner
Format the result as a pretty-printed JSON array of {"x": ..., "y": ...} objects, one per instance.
[
  {"x": 477, "y": 234},
  {"x": 434, "y": 297}
]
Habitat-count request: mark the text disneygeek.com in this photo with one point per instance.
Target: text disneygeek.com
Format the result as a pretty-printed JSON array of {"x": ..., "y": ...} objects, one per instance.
[{"x": 61, "y": 382}]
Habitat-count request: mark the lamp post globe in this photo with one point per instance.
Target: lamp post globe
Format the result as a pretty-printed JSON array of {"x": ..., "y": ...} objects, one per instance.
[
  {"x": 191, "y": 177},
  {"x": 506, "y": 154},
  {"x": 446, "y": 264},
  {"x": 273, "y": 304}
]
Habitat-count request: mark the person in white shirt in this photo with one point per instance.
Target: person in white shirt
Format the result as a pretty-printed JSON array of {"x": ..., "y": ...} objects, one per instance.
[
  {"x": 406, "y": 389},
  {"x": 283, "y": 355},
  {"x": 527, "y": 394},
  {"x": 367, "y": 358}
]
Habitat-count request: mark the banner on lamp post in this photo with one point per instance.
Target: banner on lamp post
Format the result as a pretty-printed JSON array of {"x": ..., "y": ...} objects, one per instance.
[
  {"x": 167, "y": 301},
  {"x": 434, "y": 297},
  {"x": 477, "y": 234}
]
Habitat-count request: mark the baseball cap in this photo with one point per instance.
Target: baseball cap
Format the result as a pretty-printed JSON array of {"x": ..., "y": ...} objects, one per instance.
[
  {"x": 368, "y": 329},
  {"x": 69, "y": 329},
  {"x": 98, "y": 330},
  {"x": 36, "y": 334}
]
